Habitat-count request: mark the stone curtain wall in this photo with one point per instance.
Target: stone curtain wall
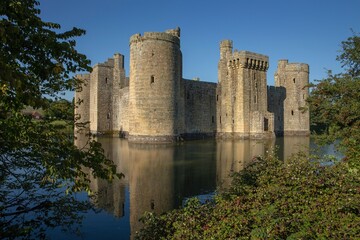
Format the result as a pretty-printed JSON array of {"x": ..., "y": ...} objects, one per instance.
[
  {"x": 119, "y": 83},
  {"x": 200, "y": 105},
  {"x": 123, "y": 114},
  {"x": 276, "y": 98}
]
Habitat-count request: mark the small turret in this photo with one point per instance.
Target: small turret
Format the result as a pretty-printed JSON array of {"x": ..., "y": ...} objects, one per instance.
[
  {"x": 226, "y": 48},
  {"x": 175, "y": 32}
]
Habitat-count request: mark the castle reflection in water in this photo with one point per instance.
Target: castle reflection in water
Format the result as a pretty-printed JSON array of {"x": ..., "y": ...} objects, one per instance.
[{"x": 159, "y": 177}]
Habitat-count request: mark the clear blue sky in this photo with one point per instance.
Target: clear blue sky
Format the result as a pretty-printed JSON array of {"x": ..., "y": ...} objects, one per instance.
[{"x": 308, "y": 31}]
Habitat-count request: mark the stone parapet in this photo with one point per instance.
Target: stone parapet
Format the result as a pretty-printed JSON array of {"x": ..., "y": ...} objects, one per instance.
[
  {"x": 250, "y": 60},
  {"x": 159, "y": 36},
  {"x": 297, "y": 67}
]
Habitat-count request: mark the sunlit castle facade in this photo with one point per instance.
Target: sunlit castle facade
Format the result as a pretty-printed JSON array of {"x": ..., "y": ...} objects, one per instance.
[{"x": 156, "y": 104}]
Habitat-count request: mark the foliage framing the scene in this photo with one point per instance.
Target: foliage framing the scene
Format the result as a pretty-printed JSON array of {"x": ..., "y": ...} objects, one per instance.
[{"x": 38, "y": 159}]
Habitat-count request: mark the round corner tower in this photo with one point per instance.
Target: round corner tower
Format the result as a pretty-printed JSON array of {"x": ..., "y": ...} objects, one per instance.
[
  {"x": 293, "y": 79},
  {"x": 154, "y": 88}
]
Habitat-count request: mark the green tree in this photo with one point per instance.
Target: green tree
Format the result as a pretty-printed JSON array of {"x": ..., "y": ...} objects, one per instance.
[
  {"x": 60, "y": 109},
  {"x": 335, "y": 103},
  {"x": 304, "y": 197},
  {"x": 38, "y": 161},
  {"x": 270, "y": 199}
]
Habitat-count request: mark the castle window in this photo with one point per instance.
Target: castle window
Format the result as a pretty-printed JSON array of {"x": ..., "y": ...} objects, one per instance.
[
  {"x": 292, "y": 112},
  {"x": 266, "y": 124},
  {"x": 152, "y": 204},
  {"x": 220, "y": 119},
  {"x": 255, "y": 99},
  {"x": 294, "y": 80},
  {"x": 152, "y": 79},
  {"x": 217, "y": 97},
  {"x": 106, "y": 80},
  {"x": 108, "y": 116},
  {"x": 212, "y": 119}
]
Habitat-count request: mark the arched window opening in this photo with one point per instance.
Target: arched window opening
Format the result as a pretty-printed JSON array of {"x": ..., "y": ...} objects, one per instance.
[
  {"x": 292, "y": 112},
  {"x": 294, "y": 80},
  {"x": 152, "y": 79},
  {"x": 106, "y": 80}
]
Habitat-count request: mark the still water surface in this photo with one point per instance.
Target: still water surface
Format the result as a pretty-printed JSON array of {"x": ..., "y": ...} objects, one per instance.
[{"x": 159, "y": 178}]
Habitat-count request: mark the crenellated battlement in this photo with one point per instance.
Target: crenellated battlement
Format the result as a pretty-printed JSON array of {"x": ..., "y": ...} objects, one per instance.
[
  {"x": 108, "y": 64},
  {"x": 284, "y": 65},
  {"x": 172, "y": 35},
  {"x": 297, "y": 67},
  {"x": 82, "y": 76},
  {"x": 250, "y": 60}
]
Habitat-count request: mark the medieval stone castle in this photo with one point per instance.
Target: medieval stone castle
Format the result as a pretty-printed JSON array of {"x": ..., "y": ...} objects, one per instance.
[{"x": 155, "y": 104}]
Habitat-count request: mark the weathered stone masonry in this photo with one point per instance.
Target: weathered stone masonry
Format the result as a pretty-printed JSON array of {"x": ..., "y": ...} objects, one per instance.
[
  {"x": 157, "y": 105},
  {"x": 242, "y": 94}
]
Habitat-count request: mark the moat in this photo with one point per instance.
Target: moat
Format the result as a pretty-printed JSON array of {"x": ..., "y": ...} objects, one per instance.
[{"x": 159, "y": 178}]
